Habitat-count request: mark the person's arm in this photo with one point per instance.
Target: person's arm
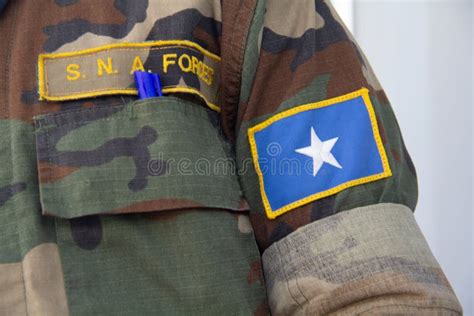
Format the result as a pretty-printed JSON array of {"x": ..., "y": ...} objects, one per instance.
[{"x": 330, "y": 184}]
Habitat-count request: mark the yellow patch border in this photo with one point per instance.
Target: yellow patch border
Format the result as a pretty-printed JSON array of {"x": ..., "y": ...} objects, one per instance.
[
  {"x": 183, "y": 43},
  {"x": 387, "y": 172}
]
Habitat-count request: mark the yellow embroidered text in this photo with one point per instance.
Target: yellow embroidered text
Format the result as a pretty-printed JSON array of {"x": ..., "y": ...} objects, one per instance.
[{"x": 189, "y": 63}]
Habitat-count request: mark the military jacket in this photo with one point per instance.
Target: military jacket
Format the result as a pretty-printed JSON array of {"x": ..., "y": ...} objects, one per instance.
[{"x": 270, "y": 178}]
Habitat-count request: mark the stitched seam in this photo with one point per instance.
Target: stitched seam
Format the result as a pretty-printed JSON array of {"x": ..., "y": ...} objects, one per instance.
[
  {"x": 230, "y": 71},
  {"x": 91, "y": 92},
  {"x": 211, "y": 105},
  {"x": 116, "y": 117},
  {"x": 131, "y": 91},
  {"x": 113, "y": 89},
  {"x": 412, "y": 305},
  {"x": 211, "y": 194},
  {"x": 169, "y": 99},
  {"x": 241, "y": 54},
  {"x": 80, "y": 55},
  {"x": 167, "y": 43},
  {"x": 50, "y": 162},
  {"x": 118, "y": 114},
  {"x": 252, "y": 86},
  {"x": 60, "y": 260}
]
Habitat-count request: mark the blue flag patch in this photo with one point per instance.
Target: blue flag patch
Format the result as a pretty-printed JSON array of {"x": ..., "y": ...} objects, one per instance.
[{"x": 316, "y": 150}]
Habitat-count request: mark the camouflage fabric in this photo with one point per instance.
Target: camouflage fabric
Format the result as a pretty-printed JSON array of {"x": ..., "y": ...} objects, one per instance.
[
  {"x": 157, "y": 136},
  {"x": 319, "y": 61},
  {"x": 113, "y": 205},
  {"x": 189, "y": 248},
  {"x": 298, "y": 54},
  {"x": 347, "y": 254}
]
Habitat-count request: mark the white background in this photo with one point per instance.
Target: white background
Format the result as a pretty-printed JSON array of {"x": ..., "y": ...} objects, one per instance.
[{"x": 422, "y": 52}]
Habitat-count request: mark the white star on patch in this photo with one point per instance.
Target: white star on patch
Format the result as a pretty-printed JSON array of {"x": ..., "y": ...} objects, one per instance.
[{"x": 320, "y": 152}]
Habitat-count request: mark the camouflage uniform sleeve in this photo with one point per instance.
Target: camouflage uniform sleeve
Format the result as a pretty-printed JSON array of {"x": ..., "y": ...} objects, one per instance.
[{"x": 351, "y": 251}]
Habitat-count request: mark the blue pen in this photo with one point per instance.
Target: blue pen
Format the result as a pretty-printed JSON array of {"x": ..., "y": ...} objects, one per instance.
[{"x": 148, "y": 84}]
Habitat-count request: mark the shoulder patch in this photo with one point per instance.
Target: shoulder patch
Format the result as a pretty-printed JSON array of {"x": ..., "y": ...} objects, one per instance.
[
  {"x": 316, "y": 150},
  {"x": 184, "y": 66}
]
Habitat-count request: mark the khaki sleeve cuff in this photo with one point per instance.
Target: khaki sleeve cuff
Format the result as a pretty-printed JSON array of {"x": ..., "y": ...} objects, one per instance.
[{"x": 371, "y": 259}]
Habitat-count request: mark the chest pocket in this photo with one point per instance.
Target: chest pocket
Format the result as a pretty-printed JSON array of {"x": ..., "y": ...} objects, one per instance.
[{"x": 151, "y": 155}]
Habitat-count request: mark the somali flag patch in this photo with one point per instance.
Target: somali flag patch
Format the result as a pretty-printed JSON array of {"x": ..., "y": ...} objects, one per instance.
[{"x": 315, "y": 150}]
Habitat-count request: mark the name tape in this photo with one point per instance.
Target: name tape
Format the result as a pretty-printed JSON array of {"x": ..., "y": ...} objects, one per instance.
[{"x": 184, "y": 67}]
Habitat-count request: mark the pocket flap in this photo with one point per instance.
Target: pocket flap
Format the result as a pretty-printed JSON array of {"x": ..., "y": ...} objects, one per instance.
[{"x": 151, "y": 155}]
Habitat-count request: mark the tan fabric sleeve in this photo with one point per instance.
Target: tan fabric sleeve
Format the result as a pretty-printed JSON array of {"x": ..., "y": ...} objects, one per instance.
[{"x": 369, "y": 260}]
